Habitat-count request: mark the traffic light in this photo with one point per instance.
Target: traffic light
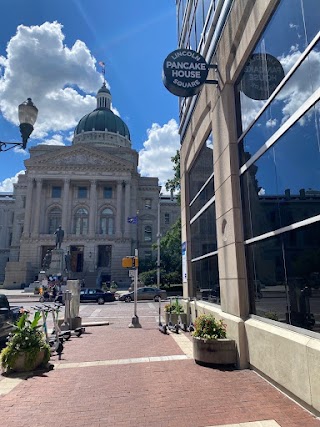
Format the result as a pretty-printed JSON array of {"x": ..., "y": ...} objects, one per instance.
[{"x": 130, "y": 262}]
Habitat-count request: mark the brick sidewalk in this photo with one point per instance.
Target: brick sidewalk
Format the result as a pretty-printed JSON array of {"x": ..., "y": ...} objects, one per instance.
[{"x": 115, "y": 376}]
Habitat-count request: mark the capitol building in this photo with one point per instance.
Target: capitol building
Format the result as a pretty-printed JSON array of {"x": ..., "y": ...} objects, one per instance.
[{"x": 94, "y": 191}]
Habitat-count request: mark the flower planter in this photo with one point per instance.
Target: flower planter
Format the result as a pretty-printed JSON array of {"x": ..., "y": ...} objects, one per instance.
[
  {"x": 20, "y": 364},
  {"x": 175, "y": 318},
  {"x": 214, "y": 352}
]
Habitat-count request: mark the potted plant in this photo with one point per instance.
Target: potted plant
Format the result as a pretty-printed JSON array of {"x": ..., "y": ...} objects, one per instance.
[
  {"x": 177, "y": 313},
  {"x": 210, "y": 343},
  {"x": 26, "y": 348},
  {"x": 113, "y": 287}
]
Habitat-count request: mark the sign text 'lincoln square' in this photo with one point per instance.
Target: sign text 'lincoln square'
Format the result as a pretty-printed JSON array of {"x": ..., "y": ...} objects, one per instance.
[{"x": 184, "y": 72}]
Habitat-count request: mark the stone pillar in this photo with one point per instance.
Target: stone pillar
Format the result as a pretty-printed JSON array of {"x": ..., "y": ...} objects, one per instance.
[
  {"x": 127, "y": 208},
  {"x": 65, "y": 207},
  {"x": 118, "y": 215},
  {"x": 28, "y": 209},
  {"x": 93, "y": 208},
  {"x": 37, "y": 207}
]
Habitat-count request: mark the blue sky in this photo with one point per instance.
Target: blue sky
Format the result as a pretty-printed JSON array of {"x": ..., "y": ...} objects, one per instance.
[{"x": 49, "y": 51}]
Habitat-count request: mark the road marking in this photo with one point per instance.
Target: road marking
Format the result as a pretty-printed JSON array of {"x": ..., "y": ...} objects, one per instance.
[
  {"x": 8, "y": 384},
  {"x": 152, "y": 359},
  {"x": 264, "y": 423},
  {"x": 184, "y": 343}
]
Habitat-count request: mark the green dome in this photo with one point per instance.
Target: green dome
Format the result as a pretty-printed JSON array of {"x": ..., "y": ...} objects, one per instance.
[
  {"x": 102, "y": 119},
  {"x": 104, "y": 89}
]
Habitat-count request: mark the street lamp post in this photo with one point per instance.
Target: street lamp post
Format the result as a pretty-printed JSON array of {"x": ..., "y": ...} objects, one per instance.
[
  {"x": 28, "y": 114},
  {"x": 158, "y": 244}
]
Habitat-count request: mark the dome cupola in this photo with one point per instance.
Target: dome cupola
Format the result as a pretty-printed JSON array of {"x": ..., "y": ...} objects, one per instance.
[{"x": 102, "y": 126}]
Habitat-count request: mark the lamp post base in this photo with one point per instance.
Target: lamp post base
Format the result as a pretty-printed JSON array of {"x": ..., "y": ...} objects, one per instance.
[{"x": 135, "y": 322}]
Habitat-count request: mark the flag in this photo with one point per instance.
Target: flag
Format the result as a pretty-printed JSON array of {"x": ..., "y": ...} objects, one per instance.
[
  {"x": 132, "y": 220},
  {"x": 102, "y": 64}
]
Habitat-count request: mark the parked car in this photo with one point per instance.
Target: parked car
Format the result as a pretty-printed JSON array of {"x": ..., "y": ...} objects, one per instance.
[
  {"x": 97, "y": 295},
  {"x": 145, "y": 293},
  {"x": 91, "y": 295}
]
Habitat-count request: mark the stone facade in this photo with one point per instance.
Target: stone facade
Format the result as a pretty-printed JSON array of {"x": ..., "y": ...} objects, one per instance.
[{"x": 94, "y": 191}]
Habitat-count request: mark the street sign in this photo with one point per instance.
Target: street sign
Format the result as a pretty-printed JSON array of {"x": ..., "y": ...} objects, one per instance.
[{"x": 131, "y": 273}]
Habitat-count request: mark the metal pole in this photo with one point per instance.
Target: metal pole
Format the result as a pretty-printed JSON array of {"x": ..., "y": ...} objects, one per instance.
[
  {"x": 135, "y": 285},
  {"x": 158, "y": 245},
  {"x": 135, "y": 319}
]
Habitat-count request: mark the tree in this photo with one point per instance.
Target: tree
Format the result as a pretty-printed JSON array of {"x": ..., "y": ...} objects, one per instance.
[{"x": 173, "y": 185}]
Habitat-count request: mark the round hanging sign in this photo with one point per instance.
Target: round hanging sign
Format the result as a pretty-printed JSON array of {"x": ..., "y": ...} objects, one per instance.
[{"x": 184, "y": 72}]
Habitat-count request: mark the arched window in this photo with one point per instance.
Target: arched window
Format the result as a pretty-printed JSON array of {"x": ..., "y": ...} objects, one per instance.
[
  {"x": 81, "y": 221},
  {"x": 54, "y": 219},
  {"x": 106, "y": 222},
  {"x": 147, "y": 233}
]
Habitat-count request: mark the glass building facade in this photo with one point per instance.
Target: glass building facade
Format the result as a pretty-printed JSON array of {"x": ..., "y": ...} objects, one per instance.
[
  {"x": 277, "y": 112},
  {"x": 250, "y": 192}
]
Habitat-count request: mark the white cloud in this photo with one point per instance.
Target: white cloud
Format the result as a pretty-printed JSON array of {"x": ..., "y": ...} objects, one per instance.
[
  {"x": 54, "y": 140},
  {"x": 162, "y": 144},
  {"x": 271, "y": 123},
  {"x": 61, "y": 80},
  {"x": 6, "y": 185}
]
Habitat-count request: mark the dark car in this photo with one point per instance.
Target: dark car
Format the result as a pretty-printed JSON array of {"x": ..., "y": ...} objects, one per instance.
[
  {"x": 145, "y": 293},
  {"x": 96, "y": 295}
]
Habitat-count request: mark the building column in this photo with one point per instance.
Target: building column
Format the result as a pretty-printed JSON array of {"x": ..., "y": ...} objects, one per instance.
[
  {"x": 118, "y": 215},
  {"x": 65, "y": 205},
  {"x": 127, "y": 208},
  {"x": 28, "y": 208},
  {"x": 93, "y": 208},
  {"x": 37, "y": 205}
]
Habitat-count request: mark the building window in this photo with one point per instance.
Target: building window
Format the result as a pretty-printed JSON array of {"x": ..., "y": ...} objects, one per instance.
[
  {"x": 147, "y": 204},
  {"x": 147, "y": 233},
  {"x": 23, "y": 201},
  {"x": 106, "y": 222},
  {"x": 82, "y": 192},
  {"x": 81, "y": 221},
  {"x": 167, "y": 218},
  {"x": 107, "y": 193},
  {"x": 54, "y": 219},
  {"x": 56, "y": 192},
  {"x": 147, "y": 255}
]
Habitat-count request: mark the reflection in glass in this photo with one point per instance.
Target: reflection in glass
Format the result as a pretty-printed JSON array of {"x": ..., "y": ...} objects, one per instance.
[
  {"x": 291, "y": 29},
  {"x": 284, "y": 277},
  {"x": 205, "y": 279},
  {"x": 295, "y": 92},
  {"x": 202, "y": 168},
  {"x": 203, "y": 233},
  {"x": 283, "y": 186}
]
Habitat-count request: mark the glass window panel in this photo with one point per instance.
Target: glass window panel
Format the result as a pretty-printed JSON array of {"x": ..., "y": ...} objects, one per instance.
[
  {"x": 288, "y": 33},
  {"x": 203, "y": 233},
  {"x": 147, "y": 233},
  {"x": 56, "y": 192},
  {"x": 202, "y": 168},
  {"x": 295, "y": 92},
  {"x": 82, "y": 192},
  {"x": 284, "y": 277},
  {"x": 107, "y": 192},
  {"x": 81, "y": 221},
  {"x": 205, "y": 279},
  {"x": 206, "y": 194},
  {"x": 283, "y": 186},
  {"x": 54, "y": 220}
]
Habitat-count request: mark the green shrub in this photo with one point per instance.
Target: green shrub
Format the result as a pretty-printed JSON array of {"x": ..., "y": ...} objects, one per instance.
[{"x": 208, "y": 327}]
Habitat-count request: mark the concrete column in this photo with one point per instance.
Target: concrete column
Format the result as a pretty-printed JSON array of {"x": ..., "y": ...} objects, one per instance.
[
  {"x": 65, "y": 207},
  {"x": 118, "y": 215},
  {"x": 127, "y": 208},
  {"x": 37, "y": 207},
  {"x": 28, "y": 209},
  {"x": 93, "y": 207}
]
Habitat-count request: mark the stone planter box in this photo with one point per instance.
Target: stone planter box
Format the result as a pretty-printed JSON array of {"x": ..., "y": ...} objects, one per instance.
[
  {"x": 214, "y": 352},
  {"x": 19, "y": 364},
  {"x": 175, "y": 318}
]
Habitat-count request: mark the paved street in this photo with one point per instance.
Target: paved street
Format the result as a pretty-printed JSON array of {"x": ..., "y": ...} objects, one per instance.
[{"x": 117, "y": 376}]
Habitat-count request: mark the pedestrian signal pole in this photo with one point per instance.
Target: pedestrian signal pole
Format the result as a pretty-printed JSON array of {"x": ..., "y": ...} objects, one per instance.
[{"x": 132, "y": 262}]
